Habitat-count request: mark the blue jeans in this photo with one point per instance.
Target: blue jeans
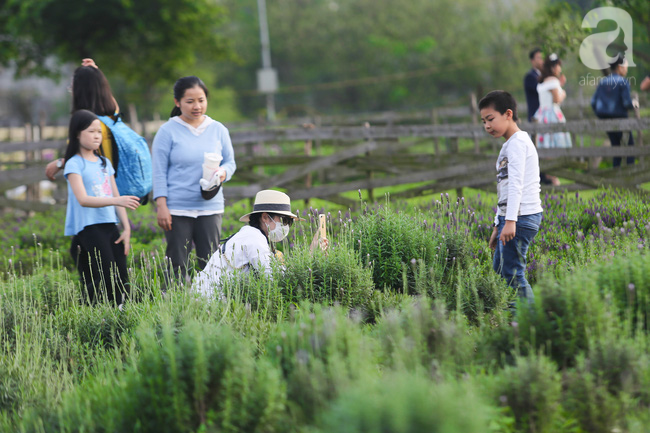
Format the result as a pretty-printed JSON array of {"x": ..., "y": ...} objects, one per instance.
[{"x": 510, "y": 259}]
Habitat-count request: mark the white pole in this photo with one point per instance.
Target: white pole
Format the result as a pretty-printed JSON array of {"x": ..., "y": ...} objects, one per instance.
[{"x": 266, "y": 55}]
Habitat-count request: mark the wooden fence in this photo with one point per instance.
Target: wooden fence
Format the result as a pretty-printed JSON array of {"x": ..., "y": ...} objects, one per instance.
[{"x": 326, "y": 161}]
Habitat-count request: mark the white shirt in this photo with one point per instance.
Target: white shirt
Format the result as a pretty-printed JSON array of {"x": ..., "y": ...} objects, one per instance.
[
  {"x": 544, "y": 91},
  {"x": 207, "y": 121},
  {"x": 247, "y": 248},
  {"x": 518, "y": 184}
]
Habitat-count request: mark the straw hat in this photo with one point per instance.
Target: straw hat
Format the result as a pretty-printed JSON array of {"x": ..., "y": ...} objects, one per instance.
[{"x": 271, "y": 202}]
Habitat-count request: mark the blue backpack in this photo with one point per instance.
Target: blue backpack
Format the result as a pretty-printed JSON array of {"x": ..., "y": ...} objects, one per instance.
[{"x": 133, "y": 176}]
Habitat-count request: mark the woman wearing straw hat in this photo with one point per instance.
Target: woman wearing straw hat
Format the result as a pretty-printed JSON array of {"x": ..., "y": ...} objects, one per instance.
[{"x": 249, "y": 249}]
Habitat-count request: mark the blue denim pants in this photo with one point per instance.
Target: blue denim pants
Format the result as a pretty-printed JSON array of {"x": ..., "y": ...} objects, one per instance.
[{"x": 510, "y": 259}]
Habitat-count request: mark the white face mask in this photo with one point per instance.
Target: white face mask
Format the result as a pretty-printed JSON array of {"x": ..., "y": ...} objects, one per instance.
[{"x": 279, "y": 232}]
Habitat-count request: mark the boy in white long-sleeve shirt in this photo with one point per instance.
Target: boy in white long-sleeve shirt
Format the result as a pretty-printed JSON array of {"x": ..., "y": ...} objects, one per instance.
[{"x": 519, "y": 212}]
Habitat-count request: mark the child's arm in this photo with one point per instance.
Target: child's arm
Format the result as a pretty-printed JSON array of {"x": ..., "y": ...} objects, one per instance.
[
  {"x": 516, "y": 154},
  {"x": 85, "y": 200},
  {"x": 51, "y": 169},
  {"x": 645, "y": 84},
  {"x": 125, "y": 236},
  {"x": 493, "y": 238}
]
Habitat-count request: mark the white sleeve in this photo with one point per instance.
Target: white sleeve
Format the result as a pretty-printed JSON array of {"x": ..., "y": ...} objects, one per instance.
[
  {"x": 553, "y": 83},
  {"x": 206, "y": 281},
  {"x": 516, "y": 172},
  {"x": 260, "y": 259}
]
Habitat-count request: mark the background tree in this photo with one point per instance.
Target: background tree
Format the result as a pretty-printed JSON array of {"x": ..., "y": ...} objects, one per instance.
[
  {"x": 557, "y": 27},
  {"x": 331, "y": 55},
  {"x": 146, "y": 43},
  {"x": 369, "y": 55}
]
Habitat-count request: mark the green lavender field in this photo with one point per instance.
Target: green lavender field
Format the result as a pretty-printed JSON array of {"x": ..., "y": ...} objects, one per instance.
[{"x": 402, "y": 327}]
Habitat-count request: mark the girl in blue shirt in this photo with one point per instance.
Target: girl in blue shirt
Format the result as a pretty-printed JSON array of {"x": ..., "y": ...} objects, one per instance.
[
  {"x": 189, "y": 215},
  {"x": 98, "y": 249}
]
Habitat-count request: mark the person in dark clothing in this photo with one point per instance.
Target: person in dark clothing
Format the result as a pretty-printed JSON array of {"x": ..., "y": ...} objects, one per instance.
[
  {"x": 531, "y": 79},
  {"x": 612, "y": 100}
]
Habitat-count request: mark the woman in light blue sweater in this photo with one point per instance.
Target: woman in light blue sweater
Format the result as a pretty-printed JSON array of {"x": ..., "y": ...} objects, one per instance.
[{"x": 187, "y": 213}]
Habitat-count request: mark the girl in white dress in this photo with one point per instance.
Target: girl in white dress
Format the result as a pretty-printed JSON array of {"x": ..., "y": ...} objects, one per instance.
[{"x": 551, "y": 95}]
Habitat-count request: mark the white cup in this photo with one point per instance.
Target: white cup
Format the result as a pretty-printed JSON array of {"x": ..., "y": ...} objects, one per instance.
[{"x": 211, "y": 163}]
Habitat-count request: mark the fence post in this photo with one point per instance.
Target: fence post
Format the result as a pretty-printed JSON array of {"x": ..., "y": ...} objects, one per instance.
[
  {"x": 370, "y": 174},
  {"x": 321, "y": 173},
  {"x": 594, "y": 161},
  {"x": 308, "y": 152},
  {"x": 436, "y": 140},
  {"x": 581, "y": 115},
  {"x": 637, "y": 114},
  {"x": 30, "y": 135},
  {"x": 475, "y": 114},
  {"x": 453, "y": 145}
]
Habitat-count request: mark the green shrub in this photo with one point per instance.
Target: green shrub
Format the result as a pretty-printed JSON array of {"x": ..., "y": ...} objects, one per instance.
[
  {"x": 405, "y": 403},
  {"x": 199, "y": 377},
  {"x": 51, "y": 289},
  {"x": 260, "y": 294},
  {"x": 390, "y": 240},
  {"x": 617, "y": 361},
  {"x": 101, "y": 325},
  {"x": 319, "y": 354},
  {"x": 202, "y": 375},
  {"x": 411, "y": 255},
  {"x": 626, "y": 278},
  {"x": 497, "y": 343},
  {"x": 473, "y": 291},
  {"x": 335, "y": 277},
  {"x": 609, "y": 382},
  {"x": 383, "y": 301},
  {"x": 588, "y": 401},
  {"x": 565, "y": 314},
  {"x": 10, "y": 392},
  {"x": 532, "y": 390},
  {"x": 27, "y": 305},
  {"x": 423, "y": 336}
]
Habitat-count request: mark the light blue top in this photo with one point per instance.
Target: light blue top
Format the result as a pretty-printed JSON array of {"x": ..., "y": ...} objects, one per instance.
[
  {"x": 178, "y": 160},
  {"x": 97, "y": 181}
]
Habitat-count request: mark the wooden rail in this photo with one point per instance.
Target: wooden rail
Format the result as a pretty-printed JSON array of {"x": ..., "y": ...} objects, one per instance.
[{"x": 369, "y": 157}]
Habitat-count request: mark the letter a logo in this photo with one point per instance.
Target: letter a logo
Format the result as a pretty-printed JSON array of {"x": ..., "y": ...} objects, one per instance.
[{"x": 593, "y": 50}]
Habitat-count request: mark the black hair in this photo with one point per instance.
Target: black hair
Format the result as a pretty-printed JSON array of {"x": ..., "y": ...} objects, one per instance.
[
  {"x": 181, "y": 86},
  {"x": 255, "y": 220},
  {"x": 91, "y": 91},
  {"x": 80, "y": 121},
  {"x": 533, "y": 52},
  {"x": 551, "y": 61},
  {"x": 501, "y": 101},
  {"x": 620, "y": 58}
]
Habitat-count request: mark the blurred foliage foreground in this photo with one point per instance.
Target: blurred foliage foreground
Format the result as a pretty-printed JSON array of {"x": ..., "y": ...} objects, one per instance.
[{"x": 402, "y": 327}]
